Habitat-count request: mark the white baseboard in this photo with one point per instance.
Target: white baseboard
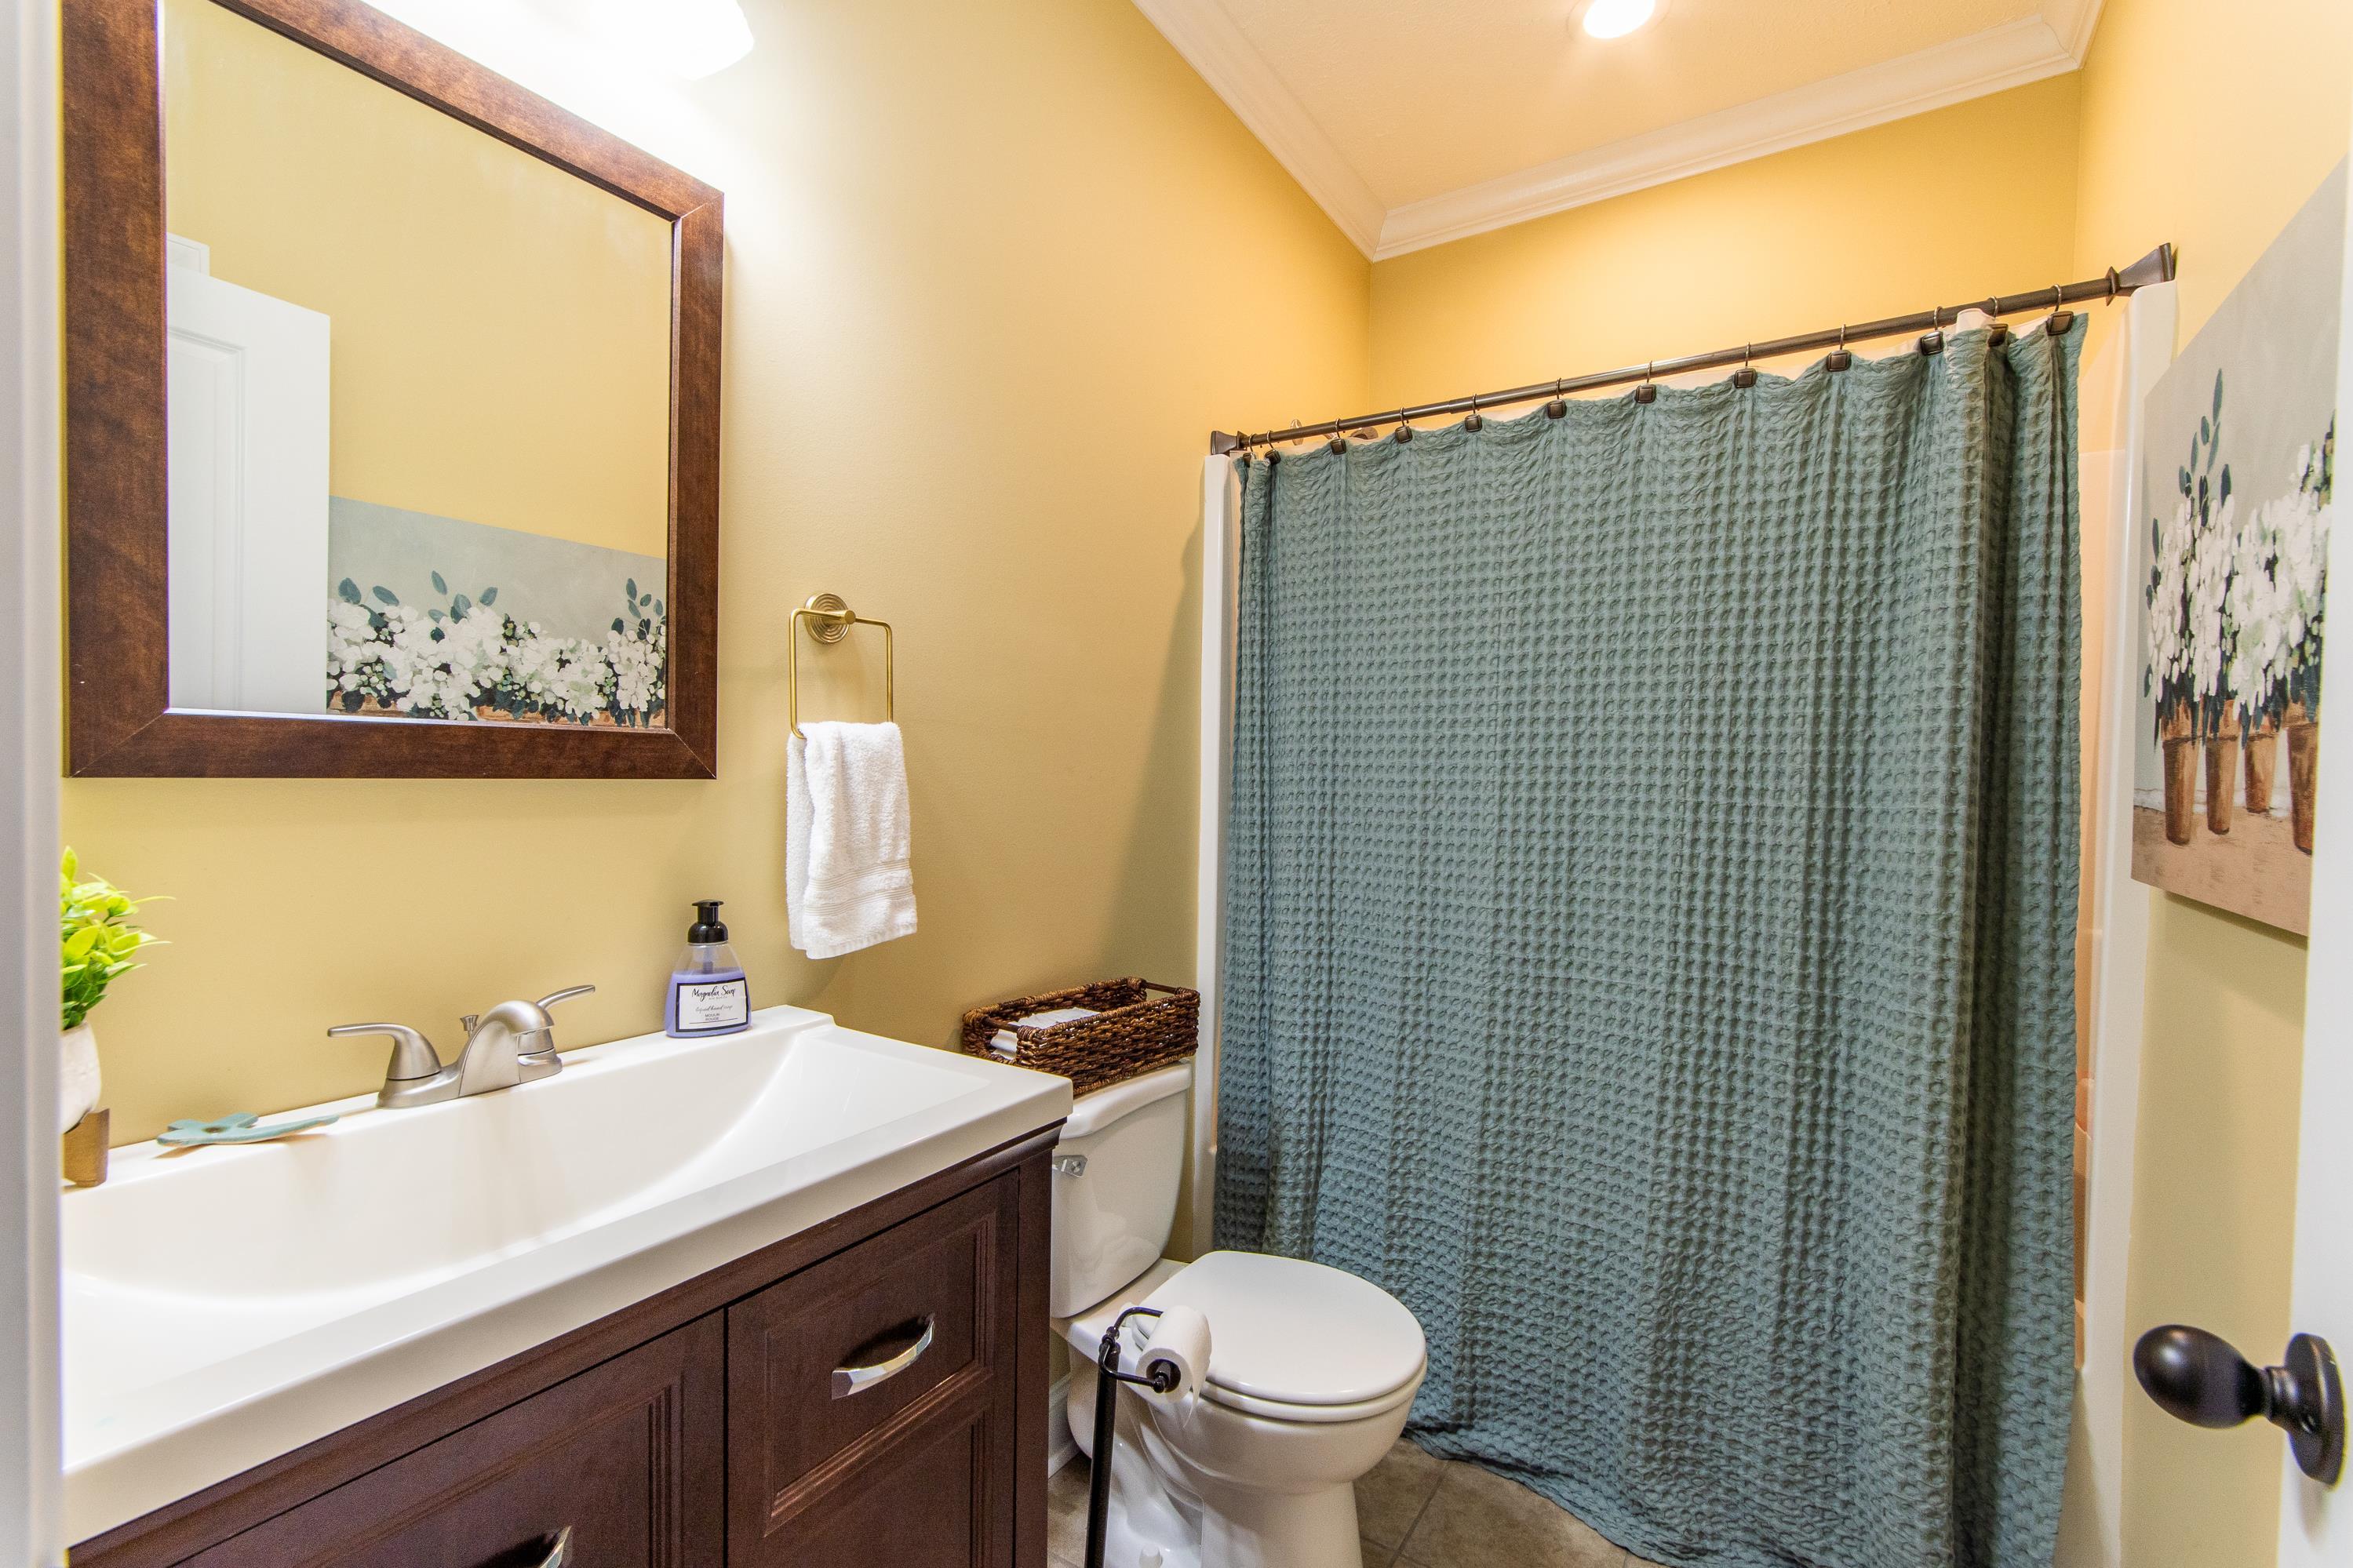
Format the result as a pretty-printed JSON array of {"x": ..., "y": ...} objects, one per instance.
[{"x": 1061, "y": 1447}]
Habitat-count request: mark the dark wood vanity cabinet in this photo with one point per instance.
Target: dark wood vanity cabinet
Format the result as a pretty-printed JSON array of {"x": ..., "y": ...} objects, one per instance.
[
  {"x": 628, "y": 1458},
  {"x": 870, "y": 1392},
  {"x": 869, "y": 1413}
]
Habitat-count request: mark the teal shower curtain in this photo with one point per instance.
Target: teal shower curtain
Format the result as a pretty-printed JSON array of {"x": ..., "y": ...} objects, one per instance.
[{"x": 1650, "y": 942}]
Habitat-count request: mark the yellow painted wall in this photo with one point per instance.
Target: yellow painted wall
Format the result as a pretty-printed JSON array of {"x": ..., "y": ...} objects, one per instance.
[
  {"x": 499, "y": 345},
  {"x": 994, "y": 272},
  {"x": 2210, "y": 126},
  {"x": 1928, "y": 210}
]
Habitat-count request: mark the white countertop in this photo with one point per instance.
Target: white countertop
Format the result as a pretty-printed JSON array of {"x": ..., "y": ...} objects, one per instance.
[{"x": 224, "y": 1306}]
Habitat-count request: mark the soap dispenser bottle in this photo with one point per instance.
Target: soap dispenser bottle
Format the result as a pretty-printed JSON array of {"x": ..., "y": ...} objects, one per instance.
[{"x": 708, "y": 994}]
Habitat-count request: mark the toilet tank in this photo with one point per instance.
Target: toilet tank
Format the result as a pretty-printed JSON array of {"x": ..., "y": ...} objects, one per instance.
[{"x": 1112, "y": 1216}]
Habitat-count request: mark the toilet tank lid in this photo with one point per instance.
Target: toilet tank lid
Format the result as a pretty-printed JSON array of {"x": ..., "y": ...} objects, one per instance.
[
  {"x": 1091, "y": 1113},
  {"x": 1293, "y": 1333}
]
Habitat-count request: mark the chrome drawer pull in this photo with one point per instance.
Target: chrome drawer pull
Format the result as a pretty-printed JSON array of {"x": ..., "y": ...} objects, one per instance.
[
  {"x": 849, "y": 1380},
  {"x": 559, "y": 1554}
]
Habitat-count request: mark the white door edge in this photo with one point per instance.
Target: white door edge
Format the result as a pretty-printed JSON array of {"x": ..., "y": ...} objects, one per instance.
[{"x": 31, "y": 1456}]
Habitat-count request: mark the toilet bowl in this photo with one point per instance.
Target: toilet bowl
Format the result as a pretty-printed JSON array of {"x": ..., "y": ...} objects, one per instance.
[{"x": 1311, "y": 1376}]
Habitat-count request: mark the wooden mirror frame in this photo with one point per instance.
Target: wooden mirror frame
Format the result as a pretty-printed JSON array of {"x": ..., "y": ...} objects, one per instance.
[{"x": 120, "y": 722}]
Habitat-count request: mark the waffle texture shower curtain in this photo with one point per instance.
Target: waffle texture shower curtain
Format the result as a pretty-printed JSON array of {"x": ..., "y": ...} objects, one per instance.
[{"x": 1651, "y": 941}]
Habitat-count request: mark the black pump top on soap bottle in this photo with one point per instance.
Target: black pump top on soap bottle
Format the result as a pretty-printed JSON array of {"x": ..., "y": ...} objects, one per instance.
[
  {"x": 707, "y": 926},
  {"x": 707, "y": 951}
]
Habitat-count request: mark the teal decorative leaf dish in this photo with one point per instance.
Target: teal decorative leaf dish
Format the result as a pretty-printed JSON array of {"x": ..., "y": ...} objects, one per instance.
[{"x": 238, "y": 1129}]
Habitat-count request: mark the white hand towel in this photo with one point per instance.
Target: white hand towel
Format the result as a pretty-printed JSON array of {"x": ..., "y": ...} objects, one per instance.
[{"x": 848, "y": 883}]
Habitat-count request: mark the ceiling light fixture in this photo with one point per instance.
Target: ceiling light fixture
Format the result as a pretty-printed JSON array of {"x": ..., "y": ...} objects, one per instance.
[
  {"x": 1616, "y": 19},
  {"x": 689, "y": 39}
]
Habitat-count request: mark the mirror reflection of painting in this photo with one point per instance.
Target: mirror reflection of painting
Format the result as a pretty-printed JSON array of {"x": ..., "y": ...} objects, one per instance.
[
  {"x": 418, "y": 405},
  {"x": 2239, "y": 488}
]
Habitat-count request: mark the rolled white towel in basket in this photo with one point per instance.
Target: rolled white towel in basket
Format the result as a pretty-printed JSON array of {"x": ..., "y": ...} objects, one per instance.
[{"x": 1005, "y": 1043}]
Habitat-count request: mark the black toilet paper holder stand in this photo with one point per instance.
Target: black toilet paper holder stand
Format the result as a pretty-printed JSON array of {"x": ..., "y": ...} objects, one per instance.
[{"x": 1160, "y": 1377}]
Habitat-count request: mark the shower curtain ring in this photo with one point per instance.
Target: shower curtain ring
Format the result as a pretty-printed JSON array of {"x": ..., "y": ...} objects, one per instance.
[
  {"x": 1558, "y": 408},
  {"x": 1933, "y": 340},
  {"x": 2061, "y": 318},
  {"x": 1649, "y": 391},
  {"x": 1474, "y": 422},
  {"x": 2115, "y": 283},
  {"x": 1745, "y": 376},
  {"x": 1839, "y": 358},
  {"x": 1339, "y": 442}
]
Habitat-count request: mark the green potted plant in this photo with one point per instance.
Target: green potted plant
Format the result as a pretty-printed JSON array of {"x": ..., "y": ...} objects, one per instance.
[{"x": 98, "y": 943}]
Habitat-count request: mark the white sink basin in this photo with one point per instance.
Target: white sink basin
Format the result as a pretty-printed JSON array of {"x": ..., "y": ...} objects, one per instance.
[{"x": 225, "y": 1305}]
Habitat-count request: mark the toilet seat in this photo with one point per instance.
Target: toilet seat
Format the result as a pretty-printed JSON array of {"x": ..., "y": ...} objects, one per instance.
[{"x": 1295, "y": 1341}]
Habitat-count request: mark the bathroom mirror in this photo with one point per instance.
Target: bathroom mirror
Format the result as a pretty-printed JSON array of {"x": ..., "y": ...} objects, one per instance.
[{"x": 392, "y": 411}]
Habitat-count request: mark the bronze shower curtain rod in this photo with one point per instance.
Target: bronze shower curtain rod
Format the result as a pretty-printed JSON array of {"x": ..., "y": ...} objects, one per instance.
[{"x": 2156, "y": 267}]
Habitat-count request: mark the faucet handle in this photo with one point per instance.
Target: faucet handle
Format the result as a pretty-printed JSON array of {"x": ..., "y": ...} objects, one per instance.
[
  {"x": 412, "y": 1054},
  {"x": 540, "y": 1041}
]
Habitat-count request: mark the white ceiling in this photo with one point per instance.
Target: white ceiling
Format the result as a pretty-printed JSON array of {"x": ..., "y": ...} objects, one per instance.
[{"x": 1416, "y": 121}]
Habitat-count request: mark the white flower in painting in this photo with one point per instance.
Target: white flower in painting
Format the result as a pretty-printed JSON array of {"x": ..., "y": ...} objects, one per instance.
[
  {"x": 2210, "y": 555},
  {"x": 637, "y": 669},
  {"x": 2259, "y": 614},
  {"x": 469, "y": 660}
]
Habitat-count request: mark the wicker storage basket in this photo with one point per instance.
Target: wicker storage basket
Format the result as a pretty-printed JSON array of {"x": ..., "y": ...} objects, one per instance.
[{"x": 1138, "y": 1026}]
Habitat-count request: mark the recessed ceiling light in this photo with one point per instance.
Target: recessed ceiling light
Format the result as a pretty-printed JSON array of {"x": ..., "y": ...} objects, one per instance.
[{"x": 1616, "y": 19}]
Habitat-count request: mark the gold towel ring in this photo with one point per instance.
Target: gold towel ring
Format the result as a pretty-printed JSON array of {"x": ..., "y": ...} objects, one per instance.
[{"x": 829, "y": 621}]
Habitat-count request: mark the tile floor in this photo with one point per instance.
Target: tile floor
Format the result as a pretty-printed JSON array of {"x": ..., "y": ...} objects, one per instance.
[{"x": 1415, "y": 1511}]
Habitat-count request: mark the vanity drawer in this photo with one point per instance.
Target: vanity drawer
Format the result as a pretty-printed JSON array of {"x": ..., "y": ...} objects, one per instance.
[
  {"x": 875, "y": 1392},
  {"x": 626, "y": 1456}
]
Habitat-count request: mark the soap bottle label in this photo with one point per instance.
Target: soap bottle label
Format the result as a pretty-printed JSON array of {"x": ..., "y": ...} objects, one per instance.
[{"x": 714, "y": 1005}]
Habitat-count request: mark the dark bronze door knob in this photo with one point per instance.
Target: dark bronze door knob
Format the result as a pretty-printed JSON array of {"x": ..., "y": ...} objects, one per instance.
[{"x": 2197, "y": 1377}]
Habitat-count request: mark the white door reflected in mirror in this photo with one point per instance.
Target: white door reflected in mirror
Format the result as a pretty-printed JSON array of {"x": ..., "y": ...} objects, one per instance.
[{"x": 248, "y": 493}]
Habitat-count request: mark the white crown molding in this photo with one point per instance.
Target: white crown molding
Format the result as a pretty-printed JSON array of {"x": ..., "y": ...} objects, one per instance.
[
  {"x": 2072, "y": 22},
  {"x": 1999, "y": 58},
  {"x": 1226, "y": 58},
  {"x": 2011, "y": 56}
]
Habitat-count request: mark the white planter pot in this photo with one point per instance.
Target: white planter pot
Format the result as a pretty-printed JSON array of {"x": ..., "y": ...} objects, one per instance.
[{"x": 76, "y": 1076}]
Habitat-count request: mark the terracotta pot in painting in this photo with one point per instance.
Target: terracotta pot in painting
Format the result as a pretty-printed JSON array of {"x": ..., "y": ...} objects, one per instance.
[
  {"x": 2262, "y": 765},
  {"x": 2222, "y": 775},
  {"x": 2181, "y": 788},
  {"x": 2303, "y": 775}
]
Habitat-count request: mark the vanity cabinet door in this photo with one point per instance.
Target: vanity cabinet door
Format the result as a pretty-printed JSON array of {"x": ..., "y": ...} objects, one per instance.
[
  {"x": 628, "y": 1456},
  {"x": 872, "y": 1400}
]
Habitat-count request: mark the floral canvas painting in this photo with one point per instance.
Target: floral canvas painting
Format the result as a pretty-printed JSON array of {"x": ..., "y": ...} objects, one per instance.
[
  {"x": 435, "y": 617},
  {"x": 2238, "y": 495}
]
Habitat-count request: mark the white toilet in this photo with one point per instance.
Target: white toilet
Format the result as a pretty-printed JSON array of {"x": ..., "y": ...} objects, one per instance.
[{"x": 1312, "y": 1370}]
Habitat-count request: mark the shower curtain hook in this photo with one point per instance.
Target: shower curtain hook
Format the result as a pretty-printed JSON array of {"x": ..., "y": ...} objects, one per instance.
[
  {"x": 1474, "y": 422},
  {"x": 2115, "y": 283},
  {"x": 1839, "y": 358},
  {"x": 2061, "y": 318},
  {"x": 1933, "y": 340},
  {"x": 1649, "y": 391},
  {"x": 1745, "y": 376},
  {"x": 1998, "y": 333},
  {"x": 1339, "y": 442},
  {"x": 1558, "y": 408}
]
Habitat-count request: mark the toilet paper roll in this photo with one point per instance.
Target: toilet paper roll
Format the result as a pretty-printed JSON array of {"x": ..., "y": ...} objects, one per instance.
[{"x": 1179, "y": 1341}]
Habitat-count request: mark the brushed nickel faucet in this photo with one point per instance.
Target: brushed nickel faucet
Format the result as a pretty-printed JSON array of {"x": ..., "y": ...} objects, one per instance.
[{"x": 512, "y": 1043}]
